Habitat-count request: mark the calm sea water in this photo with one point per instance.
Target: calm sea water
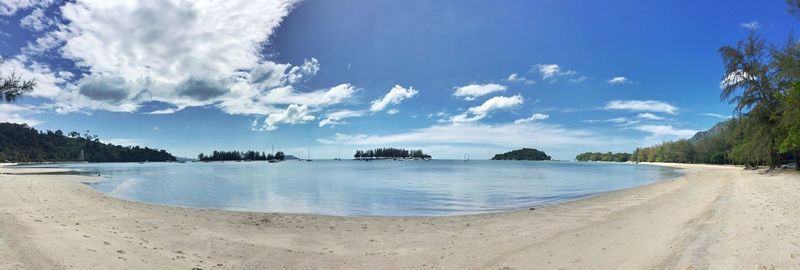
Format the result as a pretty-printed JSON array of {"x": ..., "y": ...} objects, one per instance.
[{"x": 381, "y": 188}]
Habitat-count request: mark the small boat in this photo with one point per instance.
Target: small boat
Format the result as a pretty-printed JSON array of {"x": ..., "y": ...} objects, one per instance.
[{"x": 273, "y": 161}]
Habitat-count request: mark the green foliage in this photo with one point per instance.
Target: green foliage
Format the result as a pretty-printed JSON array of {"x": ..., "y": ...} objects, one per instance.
[
  {"x": 21, "y": 143},
  {"x": 383, "y": 153},
  {"x": 237, "y": 155},
  {"x": 713, "y": 148},
  {"x": 12, "y": 86},
  {"x": 790, "y": 122},
  {"x": 522, "y": 154},
  {"x": 610, "y": 157}
]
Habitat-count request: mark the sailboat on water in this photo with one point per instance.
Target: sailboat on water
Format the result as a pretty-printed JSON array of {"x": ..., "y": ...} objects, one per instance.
[
  {"x": 273, "y": 160},
  {"x": 308, "y": 156}
]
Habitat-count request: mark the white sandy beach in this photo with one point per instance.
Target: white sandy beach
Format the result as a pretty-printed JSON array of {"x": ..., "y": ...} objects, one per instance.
[{"x": 714, "y": 217}]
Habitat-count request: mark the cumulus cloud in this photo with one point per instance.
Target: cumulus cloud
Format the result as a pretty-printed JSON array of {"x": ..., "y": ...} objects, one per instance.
[
  {"x": 294, "y": 114},
  {"x": 618, "y": 80},
  {"x": 532, "y": 118},
  {"x": 171, "y": 51},
  {"x": 753, "y": 25},
  {"x": 493, "y": 104},
  {"x": 396, "y": 95},
  {"x": 472, "y": 91},
  {"x": 641, "y": 106},
  {"x": 337, "y": 117},
  {"x": 649, "y": 116}
]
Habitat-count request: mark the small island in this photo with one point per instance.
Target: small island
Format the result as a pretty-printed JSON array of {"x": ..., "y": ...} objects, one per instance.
[
  {"x": 242, "y": 156},
  {"x": 390, "y": 153},
  {"x": 522, "y": 154}
]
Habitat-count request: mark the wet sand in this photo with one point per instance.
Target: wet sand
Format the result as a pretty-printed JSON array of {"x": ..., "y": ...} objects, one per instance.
[{"x": 713, "y": 217}]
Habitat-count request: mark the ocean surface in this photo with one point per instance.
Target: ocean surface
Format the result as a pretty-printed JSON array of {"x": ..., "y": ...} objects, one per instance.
[{"x": 358, "y": 188}]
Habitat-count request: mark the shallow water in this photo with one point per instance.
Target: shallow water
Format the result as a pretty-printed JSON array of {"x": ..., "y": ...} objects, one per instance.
[{"x": 356, "y": 188}]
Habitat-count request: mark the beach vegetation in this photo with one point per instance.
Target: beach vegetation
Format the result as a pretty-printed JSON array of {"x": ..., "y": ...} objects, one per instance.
[{"x": 22, "y": 143}]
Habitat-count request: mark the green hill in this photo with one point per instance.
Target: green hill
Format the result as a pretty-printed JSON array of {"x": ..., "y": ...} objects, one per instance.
[
  {"x": 21, "y": 143},
  {"x": 522, "y": 154}
]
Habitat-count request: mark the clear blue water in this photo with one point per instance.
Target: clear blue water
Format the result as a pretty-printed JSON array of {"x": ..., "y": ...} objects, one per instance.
[{"x": 357, "y": 188}]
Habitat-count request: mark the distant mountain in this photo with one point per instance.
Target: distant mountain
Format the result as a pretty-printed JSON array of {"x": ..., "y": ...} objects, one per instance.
[
  {"x": 522, "y": 154},
  {"x": 290, "y": 157},
  {"x": 713, "y": 131}
]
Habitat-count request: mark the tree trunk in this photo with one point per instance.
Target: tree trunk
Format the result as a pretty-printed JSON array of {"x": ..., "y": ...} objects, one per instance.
[{"x": 797, "y": 160}]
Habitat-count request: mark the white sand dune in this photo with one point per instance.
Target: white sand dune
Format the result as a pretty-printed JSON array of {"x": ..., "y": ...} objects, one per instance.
[{"x": 714, "y": 217}]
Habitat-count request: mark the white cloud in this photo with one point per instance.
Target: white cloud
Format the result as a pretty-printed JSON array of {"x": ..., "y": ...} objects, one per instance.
[
  {"x": 294, "y": 114},
  {"x": 551, "y": 72},
  {"x": 733, "y": 78},
  {"x": 36, "y": 21},
  {"x": 650, "y": 116},
  {"x": 618, "y": 80},
  {"x": 548, "y": 71},
  {"x": 124, "y": 142},
  {"x": 396, "y": 95},
  {"x": 534, "y": 117},
  {"x": 183, "y": 53},
  {"x": 9, "y": 7},
  {"x": 717, "y": 115},
  {"x": 753, "y": 25},
  {"x": 13, "y": 113},
  {"x": 393, "y": 111},
  {"x": 493, "y": 104},
  {"x": 516, "y": 78},
  {"x": 472, "y": 91},
  {"x": 337, "y": 117},
  {"x": 641, "y": 106},
  {"x": 660, "y": 133}
]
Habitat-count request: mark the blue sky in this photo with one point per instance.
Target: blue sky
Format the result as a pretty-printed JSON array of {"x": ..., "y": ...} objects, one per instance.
[{"x": 450, "y": 77}]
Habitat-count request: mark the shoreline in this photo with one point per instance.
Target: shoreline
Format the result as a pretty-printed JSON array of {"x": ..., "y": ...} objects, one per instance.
[{"x": 56, "y": 222}]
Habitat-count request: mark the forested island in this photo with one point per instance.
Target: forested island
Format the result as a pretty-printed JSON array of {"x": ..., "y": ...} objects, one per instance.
[
  {"x": 610, "y": 157},
  {"x": 240, "y": 156},
  {"x": 522, "y": 154},
  {"x": 22, "y": 143},
  {"x": 390, "y": 153}
]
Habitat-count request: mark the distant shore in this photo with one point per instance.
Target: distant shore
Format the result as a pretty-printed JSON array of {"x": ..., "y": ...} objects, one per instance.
[{"x": 714, "y": 217}]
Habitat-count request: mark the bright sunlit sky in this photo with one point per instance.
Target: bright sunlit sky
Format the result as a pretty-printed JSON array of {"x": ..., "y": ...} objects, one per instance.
[{"x": 450, "y": 77}]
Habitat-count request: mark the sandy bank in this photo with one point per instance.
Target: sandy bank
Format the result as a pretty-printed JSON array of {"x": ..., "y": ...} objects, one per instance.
[{"x": 711, "y": 218}]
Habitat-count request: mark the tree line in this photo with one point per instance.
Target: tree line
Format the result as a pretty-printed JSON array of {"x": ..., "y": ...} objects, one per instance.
[
  {"x": 610, "y": 157},
  {"x": 390, "y": 153},
  {"x": 22, "y": 143},
  {"x": 763, "y": 83},
  {"x": 237, "y": 155}
]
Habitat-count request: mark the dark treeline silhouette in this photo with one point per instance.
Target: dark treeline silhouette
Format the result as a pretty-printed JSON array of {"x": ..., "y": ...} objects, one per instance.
[
  {"x": 379, "y": 153},
  {"x": 522, "y": 154},
  {"x": 597, "y": 156},
  {"x": 21, "y": 143},
  {"x": 237, "y": 155}
]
